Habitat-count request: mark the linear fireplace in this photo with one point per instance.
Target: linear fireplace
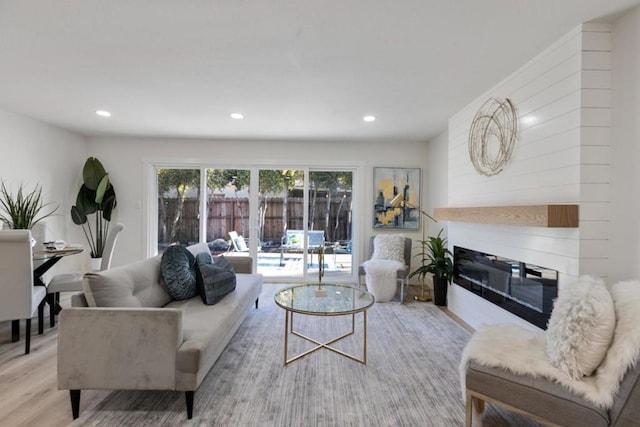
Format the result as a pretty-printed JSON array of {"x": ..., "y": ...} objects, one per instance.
[{"x": 525, "y": 290}]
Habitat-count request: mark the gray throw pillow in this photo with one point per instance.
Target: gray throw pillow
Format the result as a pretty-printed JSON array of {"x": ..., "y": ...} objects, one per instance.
[
  {"x": 218, "y": 279},
  {"x": 204, "y": 258},
  {"x": 178, "y": 268}
]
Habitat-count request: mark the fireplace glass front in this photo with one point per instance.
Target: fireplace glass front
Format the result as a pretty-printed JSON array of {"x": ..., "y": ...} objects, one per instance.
[{"x": 523, "y": 289}]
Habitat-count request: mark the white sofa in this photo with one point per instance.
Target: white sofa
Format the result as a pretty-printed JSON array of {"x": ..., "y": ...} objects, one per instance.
[{"x": 127, "y": 333}]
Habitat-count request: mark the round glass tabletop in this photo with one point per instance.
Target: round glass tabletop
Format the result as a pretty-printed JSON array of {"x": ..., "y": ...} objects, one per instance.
[{"x": 332, "y": 300}]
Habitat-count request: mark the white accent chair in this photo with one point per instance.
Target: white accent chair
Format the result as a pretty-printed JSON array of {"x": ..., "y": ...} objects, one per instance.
[
  {"x": 72, "y": 282},
  {"x": 20, "y": 298},
  {"x": 403, "y": 273}
]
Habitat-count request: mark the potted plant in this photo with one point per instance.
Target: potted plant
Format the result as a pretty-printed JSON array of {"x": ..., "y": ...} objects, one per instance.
[
  {"x": 95, "y": 197},
  {"x": 22, "y": 210},
  {"x": 436, "y": 259}
]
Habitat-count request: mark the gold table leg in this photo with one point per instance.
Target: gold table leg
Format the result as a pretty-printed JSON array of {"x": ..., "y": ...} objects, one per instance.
[{"x": 288, "y": 329}]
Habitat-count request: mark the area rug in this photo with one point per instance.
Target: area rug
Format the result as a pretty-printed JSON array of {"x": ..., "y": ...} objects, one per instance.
[{"x": 411, "y": 376}]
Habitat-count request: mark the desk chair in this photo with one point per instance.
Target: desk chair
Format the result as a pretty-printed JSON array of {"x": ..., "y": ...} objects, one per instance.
[
  {"x": 402, "y": 274},
  {"x": 72, "y": 282},
  {"x": 19, "y": 299}
]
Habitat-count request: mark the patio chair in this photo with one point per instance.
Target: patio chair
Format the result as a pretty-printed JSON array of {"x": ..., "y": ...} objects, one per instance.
[{"x": 238, "y": 242}]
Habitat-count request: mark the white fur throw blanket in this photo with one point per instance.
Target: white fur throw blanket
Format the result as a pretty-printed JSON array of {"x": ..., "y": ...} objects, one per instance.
[
  {"x": 381, "y": 275},
  {"x": 522, "y": 351}
]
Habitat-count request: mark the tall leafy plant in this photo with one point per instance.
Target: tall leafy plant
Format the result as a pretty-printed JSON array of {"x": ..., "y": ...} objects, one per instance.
[
  {"x": 22, "y": 209},
  {"x": 436, "y": 259},
  {"x": 98, "y": 198}
]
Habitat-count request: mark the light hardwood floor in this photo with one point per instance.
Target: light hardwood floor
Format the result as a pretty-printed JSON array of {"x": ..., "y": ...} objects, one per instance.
[{"x": 29, "y": 394}]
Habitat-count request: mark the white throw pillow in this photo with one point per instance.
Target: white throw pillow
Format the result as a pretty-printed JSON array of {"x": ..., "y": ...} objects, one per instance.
[
  {"x": 581, "y": 327},
  {"x": 389, "y": 246}
]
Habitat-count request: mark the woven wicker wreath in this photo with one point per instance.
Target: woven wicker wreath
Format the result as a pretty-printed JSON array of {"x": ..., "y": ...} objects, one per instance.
[{"x": 492, "y": 136}]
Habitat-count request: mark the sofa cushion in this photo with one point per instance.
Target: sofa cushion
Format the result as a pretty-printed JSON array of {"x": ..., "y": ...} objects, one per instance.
[
  {"x": 218, "y": 279},
  {"x": 179, "y": 272},
  {"x": 208, "y": 329},
  {"x": 137, "y": 284},
  {"x": 581, "y": 327}
]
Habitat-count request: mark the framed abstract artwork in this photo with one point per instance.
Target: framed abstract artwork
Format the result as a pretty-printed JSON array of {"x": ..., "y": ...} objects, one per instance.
[{"x": 396, "y": 198}]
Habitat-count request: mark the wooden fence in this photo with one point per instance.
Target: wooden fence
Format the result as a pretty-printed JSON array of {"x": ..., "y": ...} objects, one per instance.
[{"x": 226, "y": 215}]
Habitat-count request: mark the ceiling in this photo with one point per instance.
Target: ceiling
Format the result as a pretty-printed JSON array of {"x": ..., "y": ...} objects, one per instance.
[{"x": 296, "y": 69}]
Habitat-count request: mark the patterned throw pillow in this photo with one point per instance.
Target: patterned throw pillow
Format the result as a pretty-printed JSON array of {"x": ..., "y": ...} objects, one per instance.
[
  {"x": 218, "y": 279},
  {"x": 178, "y": 269},
  {"x": 389, "y": 246}
]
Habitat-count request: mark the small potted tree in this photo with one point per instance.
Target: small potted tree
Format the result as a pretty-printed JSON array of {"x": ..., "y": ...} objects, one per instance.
[
  {"x": 436, "y": 259},
  {"x": 95, "y": 197}
]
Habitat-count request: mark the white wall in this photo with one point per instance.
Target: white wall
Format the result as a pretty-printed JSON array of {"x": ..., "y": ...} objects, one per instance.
[
  {"x": 561, "y": 156},
  {"x": 123, "y": 158},
  {"x": 625, "y": 148},
  {"x": 437, "y": 177},
  {"x": 32, "y": 152}
]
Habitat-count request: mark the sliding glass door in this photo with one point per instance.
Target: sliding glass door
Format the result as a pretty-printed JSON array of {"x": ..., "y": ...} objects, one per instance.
[{"x": 300, "y": 219}]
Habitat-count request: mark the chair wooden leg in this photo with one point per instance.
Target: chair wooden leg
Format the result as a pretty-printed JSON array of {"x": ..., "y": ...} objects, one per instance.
[
  {"x": 41, "y": 318},
  {"x": 27, "y": 337},
  {"x": 478, "y": 405},
  {"x": 75, "y": 403},
  {"x": 51, "y": 300},
  {"x": 474, "y": 405},
  {"x": 469, "y": 411},
  {"x": 189, "y": 398},
  {"x": 15, "y": 330}
]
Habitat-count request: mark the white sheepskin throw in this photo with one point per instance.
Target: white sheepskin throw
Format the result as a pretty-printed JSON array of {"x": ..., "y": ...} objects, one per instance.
[
  {"x": 581, "y": 327},
  {"x": 389, "y": 246},
  {"x": 523, "y": 352},
  {"x": 381, "y": 275}
]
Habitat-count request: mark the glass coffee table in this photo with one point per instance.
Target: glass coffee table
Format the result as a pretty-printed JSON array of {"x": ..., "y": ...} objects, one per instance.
[{"x": 324, "y": 300}]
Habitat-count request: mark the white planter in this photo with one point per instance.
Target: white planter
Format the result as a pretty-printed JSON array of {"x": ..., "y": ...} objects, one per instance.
[{"x": 96, "y": 264}]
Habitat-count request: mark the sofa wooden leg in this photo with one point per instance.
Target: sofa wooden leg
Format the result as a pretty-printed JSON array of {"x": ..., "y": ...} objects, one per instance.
[
  {"x": 189, "y": 398},
  {"x": 257, "y": 299},
  {"x": 75, "y": 403}
]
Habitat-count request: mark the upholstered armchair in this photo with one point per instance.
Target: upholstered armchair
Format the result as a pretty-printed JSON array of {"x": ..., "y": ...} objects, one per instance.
[
  {"x": 402, "y": 274},
  {"x": 583, "y": 371}
]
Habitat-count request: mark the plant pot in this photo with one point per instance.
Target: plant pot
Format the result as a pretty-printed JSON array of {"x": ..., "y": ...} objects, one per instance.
[
  {"x": 96, "y": 264},
  {"x": 440, "y": 291}
]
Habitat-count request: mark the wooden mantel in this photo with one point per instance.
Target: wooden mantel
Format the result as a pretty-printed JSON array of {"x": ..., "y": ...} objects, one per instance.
[{"x": 531, "y": 215}]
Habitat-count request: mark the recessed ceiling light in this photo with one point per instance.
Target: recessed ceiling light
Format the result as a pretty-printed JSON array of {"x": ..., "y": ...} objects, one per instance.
[
  {"x": 369, "y": 118},
  {"x": 529, "y": 120},
  {"x": 103, "y": 113},
  {"x": 237, "y": 116}
]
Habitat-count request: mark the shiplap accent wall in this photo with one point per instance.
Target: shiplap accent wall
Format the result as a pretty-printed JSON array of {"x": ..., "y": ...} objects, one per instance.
[{"x": 562, "y": 156}]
